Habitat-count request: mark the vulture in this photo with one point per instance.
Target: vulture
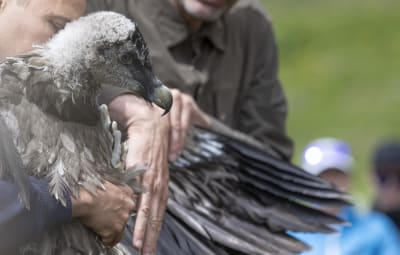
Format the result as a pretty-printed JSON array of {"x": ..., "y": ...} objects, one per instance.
[{"x": 228, "y": 194}]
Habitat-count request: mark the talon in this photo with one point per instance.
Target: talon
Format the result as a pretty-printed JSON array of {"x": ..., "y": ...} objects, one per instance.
[
  {"x": 114, "y": 126},
  {"x": 105, "y": 116},
  {"x": 114, "y": 135},
  {"x": 124, "y": 150},
  {"x": 117, "y": 148}
]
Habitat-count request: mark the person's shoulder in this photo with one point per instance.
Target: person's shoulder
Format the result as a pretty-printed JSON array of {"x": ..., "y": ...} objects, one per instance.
[
  {"x": 248, "y": 9},
  {"x": 248, "y": 19},
  {"x": 377, "y": 221}
]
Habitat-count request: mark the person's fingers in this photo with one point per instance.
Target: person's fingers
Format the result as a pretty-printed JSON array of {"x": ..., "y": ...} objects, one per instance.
[
  {"x": 108, "y": 238},
  {"x": 115, "y": 233},
  {"x": 199, "y": 117},
  {"x": 175, "y": 119},
  {"x": 138, "y": 200},
  {"x": 186, "y": 118},
  {"x": 129, "y": 198},
  {"x": 119, "y": 238},
  {"x": 127, "y": 190},
  {"x": 143, "y": 213},
  {"x": 111, "y": 240},
  {"x": 158, "y": 206}
]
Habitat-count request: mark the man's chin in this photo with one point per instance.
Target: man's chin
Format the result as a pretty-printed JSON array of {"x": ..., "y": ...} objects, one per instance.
[{"x": 204, "y": 11}]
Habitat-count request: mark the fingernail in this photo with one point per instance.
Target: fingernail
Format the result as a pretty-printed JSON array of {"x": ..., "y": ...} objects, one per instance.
[{"x": 138, "y": 244}]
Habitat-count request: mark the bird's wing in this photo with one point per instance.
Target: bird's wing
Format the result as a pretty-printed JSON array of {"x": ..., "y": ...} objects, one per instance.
[
  {"x": 32, "y": 105},
  {"x": 229, "y": 195},
  {"x": 11, "y": 165},
  {"x": 11, "y": 93}
]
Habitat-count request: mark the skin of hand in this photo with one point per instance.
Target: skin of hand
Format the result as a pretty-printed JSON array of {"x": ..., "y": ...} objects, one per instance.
[
  {"x": 106, "y": 213},
  {"x": 148, "y": 145},
  {"x": 183, "y": 114}
]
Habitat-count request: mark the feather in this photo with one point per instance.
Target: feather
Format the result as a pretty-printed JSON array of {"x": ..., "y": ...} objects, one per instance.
[
  {"x": 238, "y": 196},
  {"x": 11, "y": 165}
]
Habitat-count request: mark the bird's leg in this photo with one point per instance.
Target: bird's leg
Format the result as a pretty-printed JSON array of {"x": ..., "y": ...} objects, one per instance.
[
  {"x": 117, "y": 146},
  {"x": 105, "y": 117},
  {"x": 119, "y": 152},
  {"x": 114, "y": 135}
]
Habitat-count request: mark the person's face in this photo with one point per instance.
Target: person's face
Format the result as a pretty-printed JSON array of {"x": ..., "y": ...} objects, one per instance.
[
  {"x": 34, "y": 22},
  {"x": 206, "y": 10},
  {"x": 340, "y": 180},
  {"x": 388, "y": 189}
]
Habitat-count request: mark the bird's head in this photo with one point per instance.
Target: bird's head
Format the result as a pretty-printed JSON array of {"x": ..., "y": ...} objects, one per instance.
[{"x": 104, "y": 48}]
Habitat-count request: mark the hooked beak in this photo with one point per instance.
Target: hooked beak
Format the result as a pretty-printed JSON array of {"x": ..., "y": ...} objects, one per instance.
[
  {"x": 162, "y": 97},
  {"x": 151, "y": 89}
]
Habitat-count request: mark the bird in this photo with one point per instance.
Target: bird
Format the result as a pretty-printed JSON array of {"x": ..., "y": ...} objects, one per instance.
[
  {"x": 228, "y": 193},
  {"x": 52, "y": 127}
]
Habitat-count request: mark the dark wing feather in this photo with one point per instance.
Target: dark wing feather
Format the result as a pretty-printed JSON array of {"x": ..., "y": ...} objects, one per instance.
[{"x": 230, "y": 195}]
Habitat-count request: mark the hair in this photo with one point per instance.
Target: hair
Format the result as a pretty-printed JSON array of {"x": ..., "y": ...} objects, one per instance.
[{"x": 387, "y": 155}]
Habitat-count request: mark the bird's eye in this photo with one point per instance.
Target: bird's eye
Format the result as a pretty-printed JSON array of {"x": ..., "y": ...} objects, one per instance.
[{"x": 126, "y": 58}]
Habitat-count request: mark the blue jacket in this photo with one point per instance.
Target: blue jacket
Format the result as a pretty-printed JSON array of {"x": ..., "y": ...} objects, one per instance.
[
  {"x": 370, "y": 233},
  {"x": 18, "y": 225}
]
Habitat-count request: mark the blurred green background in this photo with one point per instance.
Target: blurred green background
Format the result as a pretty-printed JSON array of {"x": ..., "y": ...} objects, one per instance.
[{"x": 339, "y": 64}]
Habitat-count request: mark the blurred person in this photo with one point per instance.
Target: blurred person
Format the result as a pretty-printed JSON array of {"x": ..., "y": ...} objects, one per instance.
[
  {"x": 24, "y": 23},
  {"x": 220, "y": 56},
  {"x": 369, "y": 233},
  {"x": 386, "y": 170}
]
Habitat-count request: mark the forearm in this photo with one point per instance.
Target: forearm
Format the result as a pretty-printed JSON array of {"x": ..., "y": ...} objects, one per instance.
[
  {"x": 148, "y": 141},
  {"x": 265, "y": 121},
  {"x": 19, "y": 225}
]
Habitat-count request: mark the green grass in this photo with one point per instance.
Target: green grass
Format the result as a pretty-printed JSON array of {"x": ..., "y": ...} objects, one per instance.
[{"x": 340, "y": 66}]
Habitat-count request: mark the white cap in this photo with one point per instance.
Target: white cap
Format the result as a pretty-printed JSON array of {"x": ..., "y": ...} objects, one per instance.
[{"x": 327, "y": 153}]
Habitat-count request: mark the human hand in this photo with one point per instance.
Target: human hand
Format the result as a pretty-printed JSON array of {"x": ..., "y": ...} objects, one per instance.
[
  {"x": 106, "y": 213},
  {"x": 148, "y": 143},
  {"x": 183, "y": 114}
]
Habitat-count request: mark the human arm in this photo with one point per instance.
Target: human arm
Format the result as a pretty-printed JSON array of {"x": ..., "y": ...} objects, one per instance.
[
  {"x": 106, "y": 213},
  {"x": 148, "y": 141},
  {"x": 263, "y": 107},
  {"x": 17, "y": 224},
  {"x": 184, "y": 113}
]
